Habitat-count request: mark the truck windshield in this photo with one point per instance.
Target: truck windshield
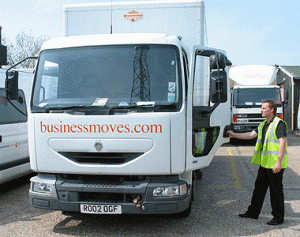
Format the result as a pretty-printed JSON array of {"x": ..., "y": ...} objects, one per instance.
[
  {"x": 108, "y": 78},
  {"x": 252, "y": 97}
]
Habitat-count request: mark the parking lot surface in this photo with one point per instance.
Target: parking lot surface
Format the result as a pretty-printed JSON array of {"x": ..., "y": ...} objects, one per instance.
[{"x": 224, "y": 191}]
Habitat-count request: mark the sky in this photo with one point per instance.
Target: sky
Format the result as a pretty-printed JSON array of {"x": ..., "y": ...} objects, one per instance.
[{"x": 252, "y": 32}]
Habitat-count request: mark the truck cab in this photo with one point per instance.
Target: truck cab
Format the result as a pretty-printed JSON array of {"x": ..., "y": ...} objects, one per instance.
[{"x": 121, "y": 122}]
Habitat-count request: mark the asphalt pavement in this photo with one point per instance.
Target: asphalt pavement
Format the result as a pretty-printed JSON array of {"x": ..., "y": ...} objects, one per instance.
[{"x": 224, "y": 191}]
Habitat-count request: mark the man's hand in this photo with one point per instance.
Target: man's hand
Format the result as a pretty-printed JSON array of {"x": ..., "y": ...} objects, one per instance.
[
  {"x": 277, "y": 167},
  {"x": 231, "y": 134}
]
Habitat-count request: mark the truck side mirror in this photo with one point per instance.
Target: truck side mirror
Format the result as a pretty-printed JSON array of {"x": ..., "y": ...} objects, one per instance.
[
  {"x": 11, "y": 85},
  {"x": 218, "y": 78},
  {"x": 218, "y": 87}
]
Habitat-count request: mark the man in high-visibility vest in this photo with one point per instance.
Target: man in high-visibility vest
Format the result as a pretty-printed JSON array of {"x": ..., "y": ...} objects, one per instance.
[{"x": 271, "y": 154}]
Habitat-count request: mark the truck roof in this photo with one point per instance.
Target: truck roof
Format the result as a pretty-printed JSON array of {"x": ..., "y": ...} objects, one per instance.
[
  {"x": 253, "y": 75},
  {"x": 110, "y": 39},
  {"x": 145, "y": 4}
]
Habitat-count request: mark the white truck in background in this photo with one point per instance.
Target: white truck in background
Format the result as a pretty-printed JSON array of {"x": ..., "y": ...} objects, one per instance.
[
  {"x": 252, "y": 84},
  {"x": 14, "y": 152},
  {"x": 126, "y": 109}
]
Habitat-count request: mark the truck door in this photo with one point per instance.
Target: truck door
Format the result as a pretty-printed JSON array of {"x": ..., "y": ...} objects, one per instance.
[{"x": 208, "y": 112}]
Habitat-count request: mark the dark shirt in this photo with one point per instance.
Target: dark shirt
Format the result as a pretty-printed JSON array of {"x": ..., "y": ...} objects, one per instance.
[{"x": 280, "y": 130}]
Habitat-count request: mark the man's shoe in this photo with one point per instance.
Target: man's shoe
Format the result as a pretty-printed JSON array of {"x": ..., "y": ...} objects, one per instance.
[
  {"x": 247, "y": 215},
  {"x": 274, "y": 222}
]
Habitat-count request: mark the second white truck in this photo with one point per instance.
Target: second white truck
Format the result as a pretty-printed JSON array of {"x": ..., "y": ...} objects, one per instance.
[{"x": 252, "y": 84}]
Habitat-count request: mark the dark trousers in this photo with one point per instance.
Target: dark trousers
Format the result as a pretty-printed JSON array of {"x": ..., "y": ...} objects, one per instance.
[{"x": 267, "y": 179}]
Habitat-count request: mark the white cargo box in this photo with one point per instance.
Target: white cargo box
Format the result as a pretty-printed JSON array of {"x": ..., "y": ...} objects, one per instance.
[{"x": 180, "y": 18}]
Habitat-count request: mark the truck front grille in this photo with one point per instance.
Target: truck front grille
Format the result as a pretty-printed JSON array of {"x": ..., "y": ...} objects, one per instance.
[
  {"x": 100, "y": 158},
  {"x": 249, "y": 119},
  {"x": 258, "y": 115}
]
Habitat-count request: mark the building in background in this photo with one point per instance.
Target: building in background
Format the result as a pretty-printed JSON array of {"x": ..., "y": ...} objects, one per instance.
[{"x": 288, "y": 78}]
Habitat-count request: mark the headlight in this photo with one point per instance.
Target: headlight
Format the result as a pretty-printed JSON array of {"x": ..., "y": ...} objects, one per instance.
[
  {"x": 43, "y": 184},
  {"x": 170, "y": 191},
  {"x": 41, "y": 187}
]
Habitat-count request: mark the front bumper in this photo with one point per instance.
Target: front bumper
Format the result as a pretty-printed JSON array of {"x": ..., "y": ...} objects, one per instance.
[{"x": 69, "y": 194}]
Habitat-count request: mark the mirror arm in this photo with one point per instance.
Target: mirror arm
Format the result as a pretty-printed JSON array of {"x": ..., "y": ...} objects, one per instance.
[{"x": 33, "y": 57}]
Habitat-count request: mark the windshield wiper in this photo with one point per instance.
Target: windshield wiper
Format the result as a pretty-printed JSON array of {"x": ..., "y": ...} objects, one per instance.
[
  {"x": 145, "y": 105},
  {"x": 128, "y": 107},
  {"x": 64, "y": 108}
]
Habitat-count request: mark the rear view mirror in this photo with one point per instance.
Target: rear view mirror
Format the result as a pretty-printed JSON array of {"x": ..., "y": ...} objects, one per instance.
[
  {"x": 218, "y": 87},
  {"x": 11, "y": 81},
  {"x": 218, "y": 78},
  {"x": 11, "y": 85}
]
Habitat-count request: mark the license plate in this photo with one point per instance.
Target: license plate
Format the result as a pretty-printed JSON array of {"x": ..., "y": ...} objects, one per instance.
[
  {"x": 242, "y": 120},
  {"x": 100, "y": 209}
]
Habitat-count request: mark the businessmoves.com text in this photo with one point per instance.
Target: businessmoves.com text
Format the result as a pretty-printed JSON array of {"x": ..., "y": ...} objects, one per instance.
[{"x": 100, "y": 128}]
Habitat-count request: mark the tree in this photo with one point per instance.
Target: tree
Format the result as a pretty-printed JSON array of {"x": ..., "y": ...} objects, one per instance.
[{"x": 26, "y": 45}]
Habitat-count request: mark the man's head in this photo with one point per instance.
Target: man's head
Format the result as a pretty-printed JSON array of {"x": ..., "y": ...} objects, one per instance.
[{"x": 268, "y": 108}]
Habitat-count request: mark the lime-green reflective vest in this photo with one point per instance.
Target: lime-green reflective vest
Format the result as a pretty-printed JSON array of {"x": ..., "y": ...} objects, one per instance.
[{"x": 267, "y": 157}]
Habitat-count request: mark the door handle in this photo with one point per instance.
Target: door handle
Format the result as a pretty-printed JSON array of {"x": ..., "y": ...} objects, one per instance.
[{"x": 227, "y": 128}]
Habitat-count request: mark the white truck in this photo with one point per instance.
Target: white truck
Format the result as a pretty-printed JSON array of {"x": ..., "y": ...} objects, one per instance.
[
  {"x": 126, "y": 109},
  {"x": 14, "y": 152},
  {"x": 252, "y": 85}
]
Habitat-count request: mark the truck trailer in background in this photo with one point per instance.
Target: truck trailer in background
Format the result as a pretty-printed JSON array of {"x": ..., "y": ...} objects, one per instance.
[
  {"x": 251, "y": 85},
  {"x": 126, "y": 109}
]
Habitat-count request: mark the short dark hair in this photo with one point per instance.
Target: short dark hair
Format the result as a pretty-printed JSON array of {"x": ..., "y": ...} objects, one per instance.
[{"x": 272, "y": 104}]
